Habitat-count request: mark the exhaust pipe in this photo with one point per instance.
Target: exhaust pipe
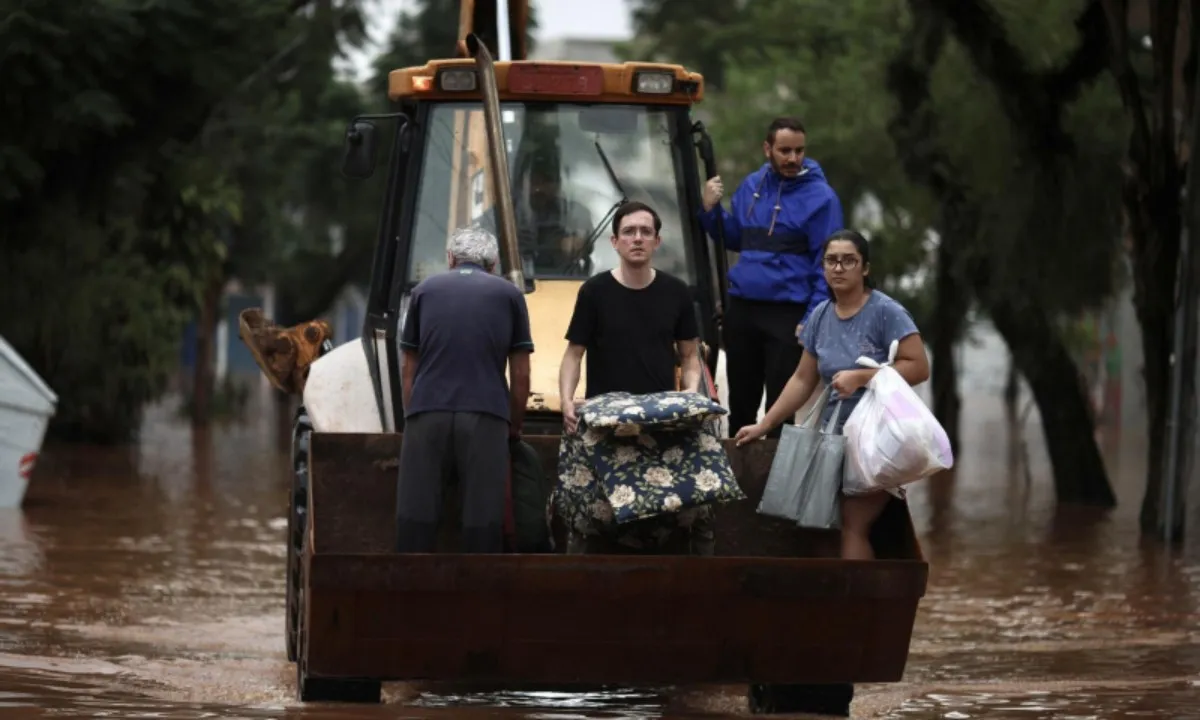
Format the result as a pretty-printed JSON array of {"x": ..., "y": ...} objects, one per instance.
[{"x": 510, "y": 257}]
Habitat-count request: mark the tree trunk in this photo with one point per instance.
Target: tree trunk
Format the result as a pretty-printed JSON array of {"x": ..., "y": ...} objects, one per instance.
[
  {"x": 1043, "y": 359},
  {"x": 1155, "y": 226},
  {"x": 1154, "y": 300},
  {"x": 949, "y": 316},
  {"x": 206, "y": 335},
  {"x": 1151, "y": 199}
]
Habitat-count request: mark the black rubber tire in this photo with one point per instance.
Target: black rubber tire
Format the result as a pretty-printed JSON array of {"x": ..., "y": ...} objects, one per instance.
[
  {"x": 343, "y": 691},
  {"x": 297, "y": 522},
  {"x": 776, "y": 698}
]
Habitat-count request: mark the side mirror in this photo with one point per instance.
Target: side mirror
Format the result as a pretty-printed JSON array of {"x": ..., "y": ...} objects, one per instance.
[{"x": 358, "y": 160}]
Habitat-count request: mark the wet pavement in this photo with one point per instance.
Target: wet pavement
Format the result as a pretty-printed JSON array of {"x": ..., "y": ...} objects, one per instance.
[{"x": 150, "y": 583}]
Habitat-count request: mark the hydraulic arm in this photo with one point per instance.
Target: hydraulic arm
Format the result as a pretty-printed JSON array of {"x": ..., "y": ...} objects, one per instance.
[{"x": 500, "y": 24}]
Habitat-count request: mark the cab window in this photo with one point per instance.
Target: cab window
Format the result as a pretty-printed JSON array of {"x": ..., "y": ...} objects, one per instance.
[{"x": 564, "y": 192}]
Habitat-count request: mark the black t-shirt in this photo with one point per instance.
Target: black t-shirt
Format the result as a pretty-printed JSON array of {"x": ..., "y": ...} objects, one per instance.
[
  {"x": 630, "y": 335},
  {"x": 463, "y": 324}
]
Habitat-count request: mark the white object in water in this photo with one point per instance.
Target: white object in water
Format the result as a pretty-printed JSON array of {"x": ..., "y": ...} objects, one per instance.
[{"x": 26, "y": 406}]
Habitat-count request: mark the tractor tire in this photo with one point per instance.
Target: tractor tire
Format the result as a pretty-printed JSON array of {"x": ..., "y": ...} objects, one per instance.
[
  {"x": 778, "y": 698},
  {"x": 297, "y": 523}
]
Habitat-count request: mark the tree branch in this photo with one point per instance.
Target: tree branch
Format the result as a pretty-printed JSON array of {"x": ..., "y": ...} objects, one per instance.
[
  {"x": 1189, "y": 69},
  {"x": 913, "y": 126},
  {"x": 1089, "y": 60},
  {"x": 1032, "y": 102},
  {"x": 1164, "y": 25},
  {"x": 1117, "y": 13}
]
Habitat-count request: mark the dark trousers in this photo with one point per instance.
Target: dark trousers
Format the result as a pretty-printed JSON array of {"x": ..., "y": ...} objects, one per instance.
[
  {"x": 761, "y": 350},
  {"x": 440, "y": 448}
]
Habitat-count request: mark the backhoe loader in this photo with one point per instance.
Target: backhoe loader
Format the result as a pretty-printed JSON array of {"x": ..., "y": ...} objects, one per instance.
[{"x": 543, "y": 153}]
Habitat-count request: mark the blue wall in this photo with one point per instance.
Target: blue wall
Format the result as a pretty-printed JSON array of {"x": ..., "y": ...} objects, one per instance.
[{"x": 238, "y": 359}]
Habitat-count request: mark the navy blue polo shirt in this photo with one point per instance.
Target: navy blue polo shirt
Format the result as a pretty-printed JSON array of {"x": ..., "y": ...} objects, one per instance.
[{"x": 463, "y": 323}]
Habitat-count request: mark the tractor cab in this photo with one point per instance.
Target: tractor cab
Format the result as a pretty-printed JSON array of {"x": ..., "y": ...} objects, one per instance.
[{"x": 573, "y": 142}]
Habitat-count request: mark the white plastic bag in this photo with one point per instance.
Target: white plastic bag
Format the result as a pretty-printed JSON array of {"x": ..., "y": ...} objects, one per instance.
[{"x": 892, "y": 439}]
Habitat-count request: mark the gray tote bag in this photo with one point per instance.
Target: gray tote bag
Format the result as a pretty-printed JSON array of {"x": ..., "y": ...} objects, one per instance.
[{"x": 805, "y": 481}]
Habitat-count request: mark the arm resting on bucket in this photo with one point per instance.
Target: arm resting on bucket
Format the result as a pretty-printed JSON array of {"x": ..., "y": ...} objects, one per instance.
[
  {"x": 689, "y": 364},
  {"x": 568, "y": 381}
]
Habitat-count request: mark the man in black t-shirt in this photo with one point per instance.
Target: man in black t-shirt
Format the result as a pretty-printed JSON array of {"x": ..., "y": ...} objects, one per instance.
[{"x": 631, "y": 321}]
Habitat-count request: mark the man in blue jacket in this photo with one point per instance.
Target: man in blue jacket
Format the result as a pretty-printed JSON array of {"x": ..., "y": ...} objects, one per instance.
[{"x": 778, "y": 219}]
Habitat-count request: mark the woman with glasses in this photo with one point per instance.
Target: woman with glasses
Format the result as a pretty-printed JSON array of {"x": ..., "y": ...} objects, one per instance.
[{"x": 857, "y": 321}]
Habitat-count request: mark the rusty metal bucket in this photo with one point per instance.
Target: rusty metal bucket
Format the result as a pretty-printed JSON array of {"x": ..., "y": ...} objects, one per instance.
[{"x": 775, "y": 605}]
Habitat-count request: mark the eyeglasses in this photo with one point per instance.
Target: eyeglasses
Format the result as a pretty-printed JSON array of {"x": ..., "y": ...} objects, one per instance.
[{"x": 848, "y": 262}]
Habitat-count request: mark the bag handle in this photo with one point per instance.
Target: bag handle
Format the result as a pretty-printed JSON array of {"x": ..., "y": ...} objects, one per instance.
[
  {"x": 833, "y": 418},
  {"x": 822, "y": 401},
  {"x": 868, "y": 362}
]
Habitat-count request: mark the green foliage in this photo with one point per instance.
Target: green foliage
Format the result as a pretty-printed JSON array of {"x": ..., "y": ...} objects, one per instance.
[
  {"x": 141, "y": 168},
  {"x": 123, "y": 183},
  {"x": 1051, "y": 222},
  {"x": 1050, "y": 230},
  {"x": 95, "y": 323},
  {"x": 693, "y": 33}
]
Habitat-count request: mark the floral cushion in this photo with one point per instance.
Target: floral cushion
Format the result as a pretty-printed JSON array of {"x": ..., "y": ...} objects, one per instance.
[
  {"x": 626, "y": 414},
  {"x": 583, "y": 496},
  {"x": 663, "y": 472}
]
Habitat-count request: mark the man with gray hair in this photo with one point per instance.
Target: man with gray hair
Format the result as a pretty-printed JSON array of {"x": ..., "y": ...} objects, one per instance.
[{"x": 463, "y": 328}]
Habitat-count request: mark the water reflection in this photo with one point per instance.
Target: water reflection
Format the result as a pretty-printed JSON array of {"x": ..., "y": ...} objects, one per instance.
[
  {"x": 150, "y": 582},
  {"x": 1175, "y": 700}
]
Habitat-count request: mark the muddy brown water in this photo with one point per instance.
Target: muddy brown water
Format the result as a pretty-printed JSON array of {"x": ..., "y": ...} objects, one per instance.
[{"x": 149, "y": 582}]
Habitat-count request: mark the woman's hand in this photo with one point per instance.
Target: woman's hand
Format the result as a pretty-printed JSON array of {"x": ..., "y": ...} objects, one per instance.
[
  {"x": 749, "y": 433},
  {"x": 848, "y": 382}
]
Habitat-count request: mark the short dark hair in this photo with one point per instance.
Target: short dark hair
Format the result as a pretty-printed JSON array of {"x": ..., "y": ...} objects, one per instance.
[
  {"x": 630, "y": 208},
  {"x": 784, "y": 123},
  {"x": 860, "y": 244}
]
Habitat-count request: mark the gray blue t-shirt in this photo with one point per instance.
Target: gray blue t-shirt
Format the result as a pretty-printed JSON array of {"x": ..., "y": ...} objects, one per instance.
[
  {"x": 463, "y": 323},
  {"x": 837, "y": 344}
]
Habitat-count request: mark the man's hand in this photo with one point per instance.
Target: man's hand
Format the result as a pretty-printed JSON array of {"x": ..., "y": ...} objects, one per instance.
[
  {"x": 847, "y": 382},
  {"x": 570, "y": 420},
  {"x": 714, "y": 190},
  {"x": 799, "y": 330}
]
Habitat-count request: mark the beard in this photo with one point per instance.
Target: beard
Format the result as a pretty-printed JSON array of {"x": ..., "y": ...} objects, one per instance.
[{"x": 786, "y": 170}]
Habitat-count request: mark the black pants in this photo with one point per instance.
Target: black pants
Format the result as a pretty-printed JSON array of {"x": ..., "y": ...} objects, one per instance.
[
  {"x": 443, "y": 447},
  {"x": 761, "y": 350}
]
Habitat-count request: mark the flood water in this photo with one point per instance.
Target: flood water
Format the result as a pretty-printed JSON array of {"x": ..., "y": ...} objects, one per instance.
[{"x": 150, "y": 583}]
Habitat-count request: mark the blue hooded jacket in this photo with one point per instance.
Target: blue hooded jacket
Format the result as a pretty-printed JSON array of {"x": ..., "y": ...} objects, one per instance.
[{"x": 779, "y": 262}]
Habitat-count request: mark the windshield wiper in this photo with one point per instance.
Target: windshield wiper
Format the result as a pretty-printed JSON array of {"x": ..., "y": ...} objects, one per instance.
[{"x": 590, "y": 241}]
